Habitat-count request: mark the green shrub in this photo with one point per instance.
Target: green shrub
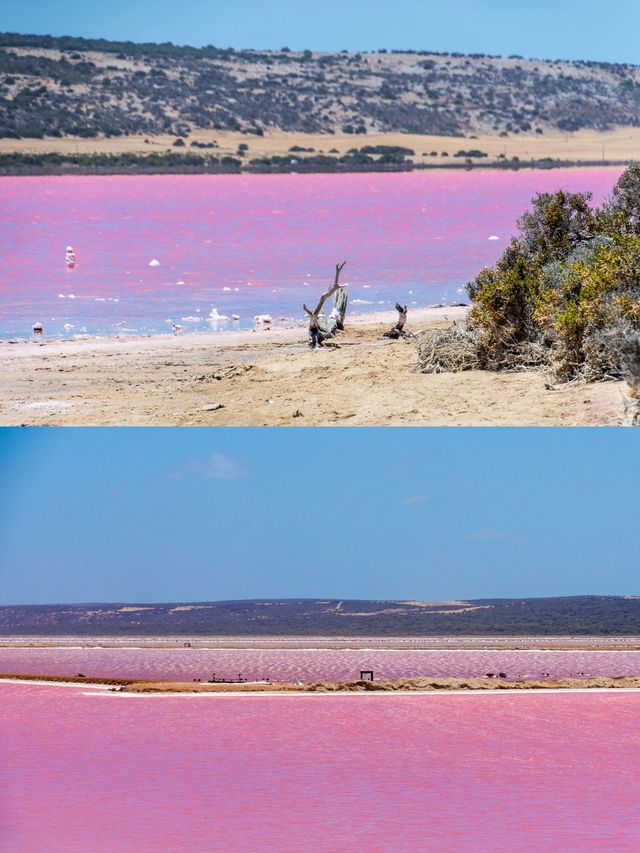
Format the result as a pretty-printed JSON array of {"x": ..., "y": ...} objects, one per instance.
[{"x": 567, "y": 285}]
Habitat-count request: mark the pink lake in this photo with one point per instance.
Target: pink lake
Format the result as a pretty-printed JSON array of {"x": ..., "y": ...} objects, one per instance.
[
  {"x": 185, "y": 664},
  {"x": 80, "y": 771},
  {"x": 248, "y": 244}
]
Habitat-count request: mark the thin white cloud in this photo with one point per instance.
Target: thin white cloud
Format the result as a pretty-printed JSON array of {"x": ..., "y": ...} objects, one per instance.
[
  {"x": 219, "y": 466},
  {"x": 488, "y": 534},
  {"x": 415, "y": 500}
]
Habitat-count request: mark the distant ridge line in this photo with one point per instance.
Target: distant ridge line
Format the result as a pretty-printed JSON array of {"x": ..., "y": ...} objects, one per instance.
[{"x": 586, "y": 615}]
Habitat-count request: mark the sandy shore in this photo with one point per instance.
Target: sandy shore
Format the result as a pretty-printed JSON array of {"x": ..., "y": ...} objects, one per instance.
[
  {"x": 395, "y": 685},
  {"x": 271, "y": 378}
]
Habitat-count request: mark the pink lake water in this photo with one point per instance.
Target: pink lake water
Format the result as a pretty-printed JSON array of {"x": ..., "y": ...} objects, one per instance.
[
  {"x": 468, "y": 772},
  {"x": 249, "y": 244},
  {"x": 185, "y": 664}
]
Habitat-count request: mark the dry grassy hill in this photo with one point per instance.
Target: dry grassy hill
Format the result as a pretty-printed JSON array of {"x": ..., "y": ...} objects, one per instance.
[{"x": 90, "y": 88}]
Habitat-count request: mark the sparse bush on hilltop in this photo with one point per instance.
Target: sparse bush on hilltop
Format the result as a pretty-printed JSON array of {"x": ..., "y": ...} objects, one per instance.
[{"x": 565, "y": 293}]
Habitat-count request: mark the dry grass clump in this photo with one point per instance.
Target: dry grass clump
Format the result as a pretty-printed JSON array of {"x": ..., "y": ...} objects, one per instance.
[
  {"x": 449, "y": 350},
  {"x": 456, "y": 349}
]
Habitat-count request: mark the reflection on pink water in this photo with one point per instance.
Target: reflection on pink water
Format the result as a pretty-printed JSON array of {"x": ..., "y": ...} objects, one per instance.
[
  {"x": 323, "y": 773},
  {"x": 249, "y": 244},
  {"x": 312, "y": 665}
]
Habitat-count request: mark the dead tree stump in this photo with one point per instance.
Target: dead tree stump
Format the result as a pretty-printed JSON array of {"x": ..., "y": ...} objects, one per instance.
[{"x": 398, "y": 331}]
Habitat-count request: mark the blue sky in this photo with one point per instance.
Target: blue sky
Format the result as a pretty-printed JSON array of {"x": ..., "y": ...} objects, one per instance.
[
  {"x": 571, "y": 29},
  {"x": 205, "y": 514}
]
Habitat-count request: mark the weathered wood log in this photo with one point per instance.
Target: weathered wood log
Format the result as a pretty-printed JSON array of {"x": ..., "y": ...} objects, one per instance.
[
  {"x": 321, "y": 327},
  {"x": 398, "y": 330}
]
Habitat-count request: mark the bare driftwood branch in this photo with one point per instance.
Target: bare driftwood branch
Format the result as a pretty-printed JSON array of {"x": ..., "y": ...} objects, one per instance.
[
  {"x": 398, "y": 330},
  {"x": 327, "y": 327},
  {"x": 328, "y": 293}
]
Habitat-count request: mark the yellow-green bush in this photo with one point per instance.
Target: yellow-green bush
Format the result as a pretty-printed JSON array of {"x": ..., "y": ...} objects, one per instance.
[{"x": 567, "y": 286}]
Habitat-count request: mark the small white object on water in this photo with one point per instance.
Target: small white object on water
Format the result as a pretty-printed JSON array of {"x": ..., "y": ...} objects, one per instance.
[
  {"x": 227, "y": 289},
  {"x": 61, "y": 296},
  {"x": 68, "y": 326},
  {"x": 263, "y": 318},
  {"x": 38, "y": 329},
  {"x": 493, "y": 237},
  {"x": 214, "y": 317},
  {"x": 71, "y": 296},
  {"x": 235, "y": 316},
  {"x": 154, "y": 263},
  {"x": 179, "y": 282},
  {"x": 191, "y": 319}
]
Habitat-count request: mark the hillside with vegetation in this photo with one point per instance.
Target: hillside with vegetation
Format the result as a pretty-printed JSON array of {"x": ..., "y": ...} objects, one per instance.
[
  {"x": 581, "y": 615},
  {"x": 92, "y": 87}
]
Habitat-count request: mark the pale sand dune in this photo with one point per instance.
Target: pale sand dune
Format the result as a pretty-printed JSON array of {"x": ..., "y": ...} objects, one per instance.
[
  {"x": 265, "y": 378},
  {"x": 584, "y": 145}
]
